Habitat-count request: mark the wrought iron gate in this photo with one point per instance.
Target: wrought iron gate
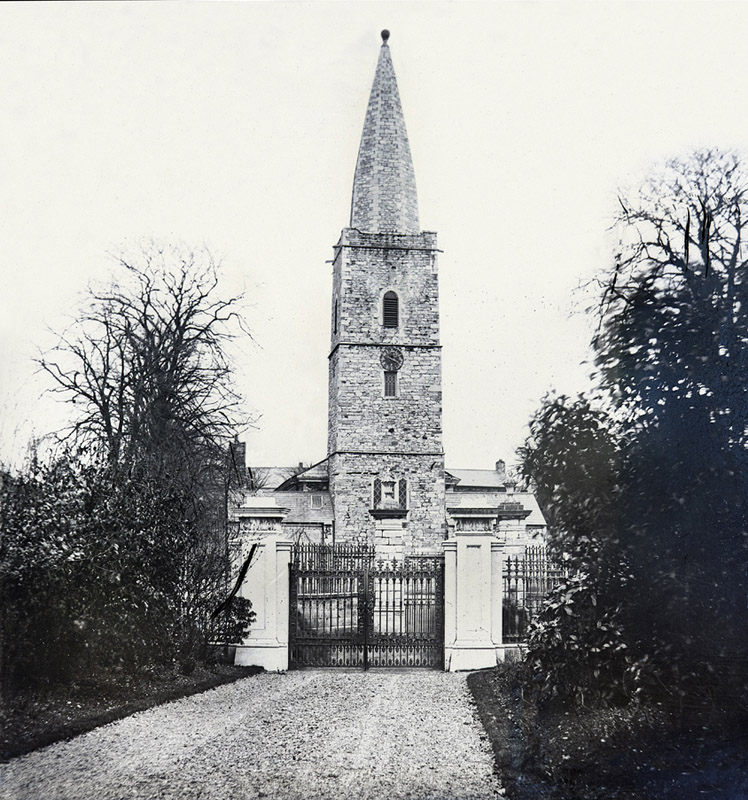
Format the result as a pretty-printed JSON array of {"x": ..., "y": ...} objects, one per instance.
[{"x": 350, "y": 610}]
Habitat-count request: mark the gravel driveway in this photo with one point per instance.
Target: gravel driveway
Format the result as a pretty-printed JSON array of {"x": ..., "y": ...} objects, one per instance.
[{"x": 310, "y": 734}]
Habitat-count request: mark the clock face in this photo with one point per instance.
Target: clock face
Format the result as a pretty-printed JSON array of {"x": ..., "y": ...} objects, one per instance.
[{"x": 391, "y": 359}]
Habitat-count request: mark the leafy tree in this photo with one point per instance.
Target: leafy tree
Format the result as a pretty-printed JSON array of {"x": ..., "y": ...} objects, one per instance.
[
  {"x": 671, "y": 351},
  {"x": 673, "y": 312},
  {"x": 572, "y": 456}
]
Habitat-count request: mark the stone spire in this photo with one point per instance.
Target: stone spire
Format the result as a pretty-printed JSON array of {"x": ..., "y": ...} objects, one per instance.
[{"x": 384, "y": 187}]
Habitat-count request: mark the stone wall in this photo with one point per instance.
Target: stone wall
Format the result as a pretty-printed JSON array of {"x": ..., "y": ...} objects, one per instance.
[
  {"x": 362, "y": 418},
  {"x": 368, "y": 265},
  {"x": 372, "y": 436},
  {"x": 352, "y": 476}
]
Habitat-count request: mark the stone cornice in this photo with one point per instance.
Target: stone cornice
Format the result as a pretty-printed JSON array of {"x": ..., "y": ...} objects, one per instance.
[
  {"x": 385, "y": 344},
  {"x": 386, "y": 453},
  {"x": 356, "y": 239}
]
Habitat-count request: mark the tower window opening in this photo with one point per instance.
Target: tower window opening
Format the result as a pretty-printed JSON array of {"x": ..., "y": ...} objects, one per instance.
[
  {"x": 390, "y": 493},
  {"x": 335, "y": 317},
  {"x": 390, "y": 310},
  {"x": 390, "y": 384}
]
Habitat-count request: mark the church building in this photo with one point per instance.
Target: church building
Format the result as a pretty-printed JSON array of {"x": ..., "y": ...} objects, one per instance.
[{"x": 383, "y": 481}]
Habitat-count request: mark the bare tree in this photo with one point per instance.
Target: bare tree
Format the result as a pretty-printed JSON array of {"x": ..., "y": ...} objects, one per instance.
[
  {"x": 674, "y": 310},
  {"x": 683, "y": 226},
  {"x": 145, "y": 367},
  {"x": 259, "y": 478},
  {"x": 146, "y": 371}
]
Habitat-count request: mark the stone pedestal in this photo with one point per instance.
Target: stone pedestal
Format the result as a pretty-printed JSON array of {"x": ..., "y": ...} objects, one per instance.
[
  {"x": 389, "y": 539},
  {"x": 267, "y": 587},
  {"x": 473, "y": 596}
]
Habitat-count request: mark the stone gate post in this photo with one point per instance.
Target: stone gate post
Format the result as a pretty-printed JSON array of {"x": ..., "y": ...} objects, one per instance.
[
  {"x": 473, "y": 598},
  {"x": 267, "y": 587}
]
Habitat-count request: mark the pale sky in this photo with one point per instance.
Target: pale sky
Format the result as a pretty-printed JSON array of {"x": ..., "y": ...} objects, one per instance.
[{"x": 237, "y": 125}]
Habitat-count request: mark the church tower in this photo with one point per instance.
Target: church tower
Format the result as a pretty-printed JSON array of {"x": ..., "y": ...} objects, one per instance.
[{"x": 385, "y": 454}]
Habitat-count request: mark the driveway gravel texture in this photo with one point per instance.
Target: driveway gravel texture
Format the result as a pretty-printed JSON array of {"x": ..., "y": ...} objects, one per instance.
[{"x": 308, "y": 734}]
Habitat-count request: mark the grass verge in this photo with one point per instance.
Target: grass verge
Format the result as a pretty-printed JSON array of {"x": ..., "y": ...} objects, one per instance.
[
  {"x": 632, "y": 753},
  {"x": 34, "y": 719}
]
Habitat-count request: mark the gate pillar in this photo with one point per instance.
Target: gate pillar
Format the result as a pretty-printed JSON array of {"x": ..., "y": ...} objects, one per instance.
[
  {"x": 267, "y": 587},
  {"x": 473, "y": 597}
]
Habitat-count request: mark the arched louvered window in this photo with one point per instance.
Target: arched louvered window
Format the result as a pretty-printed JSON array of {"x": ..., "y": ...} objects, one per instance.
[{"x": 390, "y": 310}]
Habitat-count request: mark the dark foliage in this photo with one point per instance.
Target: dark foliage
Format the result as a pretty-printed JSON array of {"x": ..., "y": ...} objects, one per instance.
[
  {"x": 638, "y": 752},
  {"x": 114, "y": 551},
  {"x": 100, "y": 572},
  {"x": 649, "y": 500},
  {"x": 576, "y": 646}
]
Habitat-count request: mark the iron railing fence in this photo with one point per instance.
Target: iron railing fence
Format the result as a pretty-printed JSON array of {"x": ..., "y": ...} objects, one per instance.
[
  {"x": 345, "y": 600},
  {"x": 528, "y": 577}
]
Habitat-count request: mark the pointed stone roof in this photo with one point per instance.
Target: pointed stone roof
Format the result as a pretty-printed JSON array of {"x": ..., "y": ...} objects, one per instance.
[{"x": 384, "y": 187}]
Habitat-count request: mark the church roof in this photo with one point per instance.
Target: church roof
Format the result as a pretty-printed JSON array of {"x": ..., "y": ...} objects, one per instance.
[
  {"x": 384, "y": 186},
  {"x": 469, "y": 504},
  {"x": 478, "y": 478},
  {"x": 269, "y": 478},
  {"x": 315, "y": 474}
]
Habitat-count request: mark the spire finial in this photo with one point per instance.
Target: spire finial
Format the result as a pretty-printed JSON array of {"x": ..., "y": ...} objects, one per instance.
[{"x": 384, "y": 186}]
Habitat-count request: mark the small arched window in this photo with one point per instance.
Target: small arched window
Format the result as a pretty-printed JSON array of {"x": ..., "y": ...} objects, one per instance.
[
  {"x": 335, "y": 317},
  {"x": 390, "y": 310}
]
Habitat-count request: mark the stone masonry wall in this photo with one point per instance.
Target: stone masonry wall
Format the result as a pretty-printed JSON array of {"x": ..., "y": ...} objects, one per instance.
[
  {"x": 370, "y": 435},
  {"x": 364, "y": 419},
  {"x": 368, "y": 265},
  {"x": 423, "y": 528},
  {"x": 360, "y": 417}
]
